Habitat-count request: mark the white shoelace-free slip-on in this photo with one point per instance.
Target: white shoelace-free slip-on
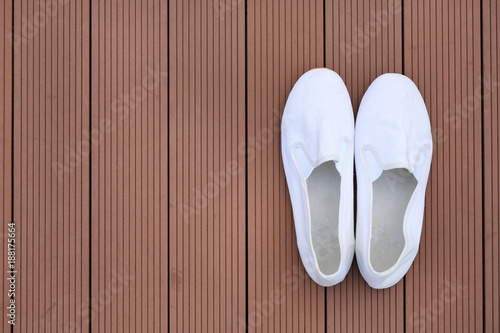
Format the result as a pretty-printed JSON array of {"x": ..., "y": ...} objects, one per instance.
[
  {"x": 317, "y": 132},
  {"x": 393, "y": 149}
]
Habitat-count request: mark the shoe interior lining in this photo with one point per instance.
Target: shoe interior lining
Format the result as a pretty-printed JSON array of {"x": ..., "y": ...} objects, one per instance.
[
  {"x": 391, "y": 194},
  {"x": 323, "y": 187}
]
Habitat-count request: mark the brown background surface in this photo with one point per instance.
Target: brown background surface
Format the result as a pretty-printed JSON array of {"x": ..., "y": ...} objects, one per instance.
[{"x": 140, "y": 160}]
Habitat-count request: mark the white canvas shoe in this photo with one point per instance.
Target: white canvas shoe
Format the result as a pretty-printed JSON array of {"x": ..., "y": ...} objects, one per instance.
[
  {"x": 393, "y": 157},
  {"x": 317, "y": 132}
]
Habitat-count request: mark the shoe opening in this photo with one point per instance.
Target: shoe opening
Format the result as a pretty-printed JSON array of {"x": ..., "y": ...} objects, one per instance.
[
  {"x": 392, "y": 191},
  {"x": 323, "y": 188}
]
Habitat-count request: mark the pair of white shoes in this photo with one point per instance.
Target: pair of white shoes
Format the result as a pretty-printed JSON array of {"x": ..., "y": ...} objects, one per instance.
[{"x": 393, "y": 149}]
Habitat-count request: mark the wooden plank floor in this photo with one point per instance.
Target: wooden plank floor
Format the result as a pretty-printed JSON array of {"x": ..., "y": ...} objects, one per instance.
[{"x": 140, "y": 161}]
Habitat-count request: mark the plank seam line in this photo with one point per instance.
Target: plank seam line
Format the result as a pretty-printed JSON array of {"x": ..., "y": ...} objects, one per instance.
[
  {"x": 324, "y": 65},
  {"x": 12, "y": 128},
  {"x": 403, "y": 71},
  {"x": 90, "y": 164},
  {"x": 246, "y": 166},
  {"x": 482, "y": 164},
  {"x": 168, "y": 167}
]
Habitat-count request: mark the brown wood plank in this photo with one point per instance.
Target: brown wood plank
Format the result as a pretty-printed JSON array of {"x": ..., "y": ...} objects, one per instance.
[
  {"x": 491, "y": 79},
  {"x": 447, "y": 270},
  {"x": 284, "y": 41},
  {"x": 51, "y": 164},
  {"x": 207, "y": 170},
  {"x": 7, "y": 42},
  {"x": 363, "y": 41},
  {"x": 129, "y": 95}
]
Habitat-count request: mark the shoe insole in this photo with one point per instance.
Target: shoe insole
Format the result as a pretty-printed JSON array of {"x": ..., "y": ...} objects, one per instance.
[
  {"x": 323, "y": 188},
  {"x": 391, "y": 193}
]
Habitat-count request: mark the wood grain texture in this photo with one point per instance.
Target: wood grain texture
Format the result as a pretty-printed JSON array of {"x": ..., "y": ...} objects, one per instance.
[
  {"x": 284, "y": 41},
  {"x": 51, "y": 165},
  {"x": 129, "y": 103},
  {"x": 363, "y": 40},
  {"x": 442, "y": 52},
  {"x": 140, "y": 159},
  {"x": 207, "y": 165}
]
